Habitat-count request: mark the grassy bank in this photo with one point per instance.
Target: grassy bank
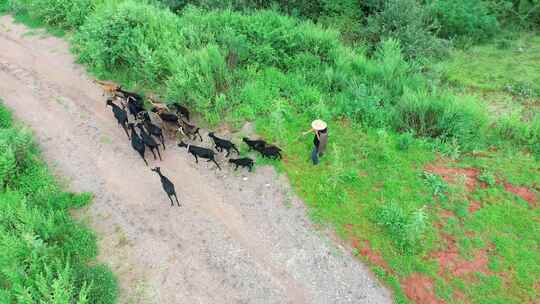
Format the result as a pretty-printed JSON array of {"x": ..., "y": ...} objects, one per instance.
[
  {"x": 47, "y": 257},
  {"x": 430, "y": 188}
]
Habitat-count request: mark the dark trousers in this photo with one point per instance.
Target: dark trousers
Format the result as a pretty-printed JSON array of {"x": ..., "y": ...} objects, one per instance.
[{"x": 315, "y": 155}]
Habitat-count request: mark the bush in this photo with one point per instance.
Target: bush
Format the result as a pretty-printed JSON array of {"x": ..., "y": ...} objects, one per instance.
[
  {"x": 513, "y": 128},
  {"x": 62, "y": 13},
  {"x": 440, "y": 116},
  {"x": 406, "y": 229},
  {"x": 408, "y": 22},
  {"x": 5, "y": 117},
  {"x": 524, "y": 13},
  {"x": 469, "y": 19},
  {"x": 45, "y": 254},
  {"x": 130, "y": 35}
]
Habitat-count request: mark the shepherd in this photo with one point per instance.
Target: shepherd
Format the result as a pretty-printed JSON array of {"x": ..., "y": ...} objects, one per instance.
[{"x": 320, "y": 140}]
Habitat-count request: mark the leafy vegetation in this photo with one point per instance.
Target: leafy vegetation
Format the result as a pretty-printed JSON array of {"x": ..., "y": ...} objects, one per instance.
[
  {"x": 369, "y": 68},
  {"x": 46, "y": 256}
]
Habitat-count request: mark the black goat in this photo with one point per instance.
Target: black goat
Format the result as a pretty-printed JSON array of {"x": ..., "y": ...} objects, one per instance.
[
  {"x": 256, "y": 145},
  {"x": 152, "y": 128},
  {"x": 135, "y": 106},
  {"x": 120, "y": 115},
  {"x": 149, "y": 141},
  {"x": 200, "y": 152},
  {"x": 168, "y": 118},
  {"x": 221, "y": 144},
  {"x": 127, "y": 95},
  {"x": 242, "y": 162},
  {"x": 191, "y": 131},
  {"x": 271, "y": 152},
  {"x": 168, "y": 186},
  {"x": 137, "y": 143},
  {"x": 181, "y": 110}
]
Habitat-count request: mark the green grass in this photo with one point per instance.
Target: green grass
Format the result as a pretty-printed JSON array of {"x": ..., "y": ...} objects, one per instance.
[
  {"x": 47, "y": 257},
  {"x": 509, "y": 65},
  {"x": 371, "y": 185}
]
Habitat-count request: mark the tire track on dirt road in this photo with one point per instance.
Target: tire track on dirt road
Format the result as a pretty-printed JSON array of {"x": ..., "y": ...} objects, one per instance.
[{"x": 233, "y": 241}]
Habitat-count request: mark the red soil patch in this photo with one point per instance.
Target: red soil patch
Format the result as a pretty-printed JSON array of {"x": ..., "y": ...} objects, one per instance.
[
  {"x": 419, "y": 289},
  {"x": 451, "y": 175},
  {"x": 524, "y": 193},
  {"x": 446, "y": 214},
  {"x": 375, "y": 258},
  {"x": 474, "y": 206},
  {"x": 452, "y": 263},
  {"x": 364, "y": 249}
]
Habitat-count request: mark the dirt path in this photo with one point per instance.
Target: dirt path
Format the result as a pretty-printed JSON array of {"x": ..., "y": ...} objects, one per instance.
[{"x": 239, "y": 238}]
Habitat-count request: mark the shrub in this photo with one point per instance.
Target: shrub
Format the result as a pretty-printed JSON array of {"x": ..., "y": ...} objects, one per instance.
[
  {"x": 62, "y": 13},
  {"x": 200, "y": 78},
  {"x": 45, "y": 254},
  {"x": 524, "y": 13},
  {"x": 469, "y": 19},
  {"x": 406, "y": 229},
  {"x": 405, "y": 140},
  {"x": 130, "y": 35},
  {"x": 512, "y": 127},
  {"x": 407, "y": 21},
  {"x": 440, "y": 116},
  {"x": 439, "y": 187},
  {"x": 5, "y": 117}
]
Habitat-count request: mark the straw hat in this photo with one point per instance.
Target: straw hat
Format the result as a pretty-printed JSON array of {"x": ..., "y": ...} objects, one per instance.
[{"x": 318, "y": 125}]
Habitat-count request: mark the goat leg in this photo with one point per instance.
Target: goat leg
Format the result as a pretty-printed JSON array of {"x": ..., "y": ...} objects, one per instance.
[
  {"x": 159, "y": 154},
  {"x": 126, "y": 130},
  {"x": 228, "y": 152},
  {"x": 172, "y": 203},
  {"x": 145, "y": 160},
  {"x": 197, "y": 132},
  {"x": 196, "y": 159},
  {"x": 215, "y": 162},
  {"x": 176, "y": 198},
  {"x": 152, "y": 150},
  {"x": 162, "y": 140}
]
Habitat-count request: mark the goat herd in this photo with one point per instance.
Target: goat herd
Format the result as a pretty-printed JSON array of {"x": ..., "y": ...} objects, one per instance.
[{"x": 130, "y": 113}]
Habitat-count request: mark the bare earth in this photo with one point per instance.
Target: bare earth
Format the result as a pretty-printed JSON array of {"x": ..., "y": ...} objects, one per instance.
[{"x": 234, "y": 240}]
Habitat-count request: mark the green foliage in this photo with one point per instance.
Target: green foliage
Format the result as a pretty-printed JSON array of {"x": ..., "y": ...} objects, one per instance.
[
  {"x": 409, "y": 22},
  {"x": 523, "y": 13},
  {"x": 5, "y": 117},
  {"x": 440, "y": 116},
  {"x": 280, "y": 72},
  {"x": 488, "y": 178},
  {"x": 513, "y": 128},
  {"x": 438, "y": 186},
  {"x": 406, "y": 229},
  {"x": 470, "y": 19},
  {"x": 44, "y": 252},
  {"x": 63, "y": 13},
  {"x": 130, "y": 35},
  {"x": 405, "y": 140},
  {"x": 490, "y": 67}
]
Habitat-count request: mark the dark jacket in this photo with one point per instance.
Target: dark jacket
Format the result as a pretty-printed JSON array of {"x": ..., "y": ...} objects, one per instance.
[{"x": 321, "y": 141}]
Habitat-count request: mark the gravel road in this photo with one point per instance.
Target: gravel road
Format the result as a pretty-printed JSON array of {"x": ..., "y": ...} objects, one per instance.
[{"x": 238, "y": 238}]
